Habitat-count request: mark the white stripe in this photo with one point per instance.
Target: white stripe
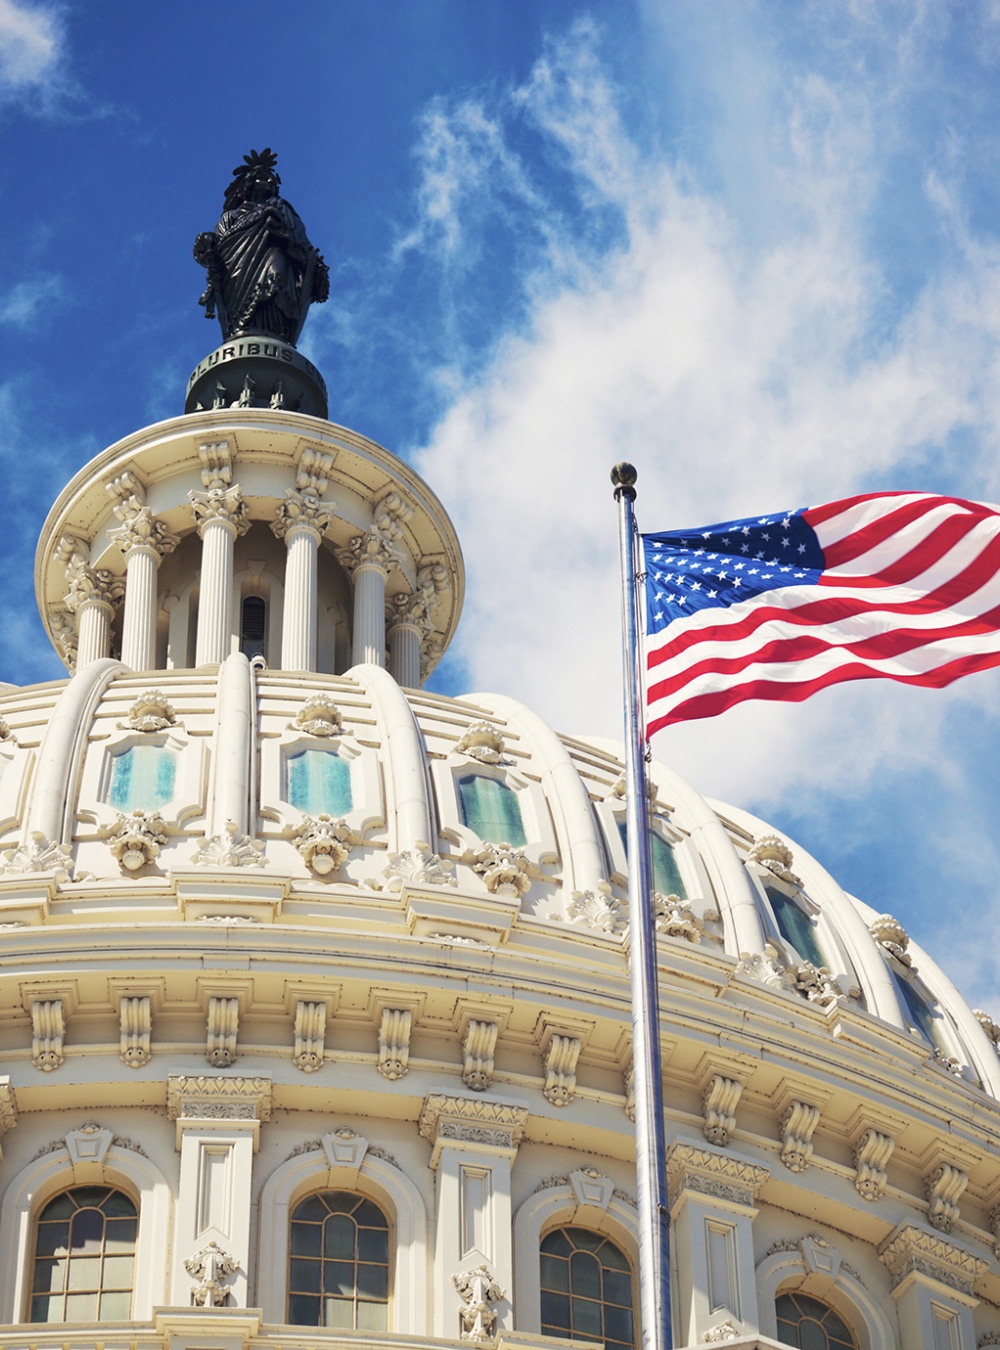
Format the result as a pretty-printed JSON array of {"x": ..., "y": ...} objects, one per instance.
[
  {"x": 861, "y": 514},
  {"x": 917, "y": 662},
  {"x": 897, "y": 545}
]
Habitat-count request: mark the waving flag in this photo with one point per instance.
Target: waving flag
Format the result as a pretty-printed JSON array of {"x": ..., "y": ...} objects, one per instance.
[{"x": 902, "y": 585}]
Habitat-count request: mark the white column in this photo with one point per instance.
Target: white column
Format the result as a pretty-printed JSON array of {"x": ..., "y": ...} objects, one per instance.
[
  {"x": 473, "y": 1228},
  {"x": 404, "y": 654},
  {"x": 221, "y": 517},
  {"x": 93, "y": 618},
  {"x": 712, "y": 1210},
  {"x": 369, "y": 616},
  {"x": 302, "y": 520},
  {"x": 144, "y": 540},
  {"x": 218, "y": 1132}
]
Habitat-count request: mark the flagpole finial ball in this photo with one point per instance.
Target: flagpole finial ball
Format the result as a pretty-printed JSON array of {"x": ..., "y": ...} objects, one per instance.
[{"x": 623, "y": 477}]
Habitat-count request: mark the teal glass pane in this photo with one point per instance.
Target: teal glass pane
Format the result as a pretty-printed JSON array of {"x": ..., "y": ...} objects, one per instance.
[
  {"x": 919, "y": 1014},
  {"x": 318, "y": 782},
  {"x": 142, "y": 778},
  {"x": 795, "y": 926},
  {"x": 491, "y": 810},
  {"x": 666, "y": 873}
]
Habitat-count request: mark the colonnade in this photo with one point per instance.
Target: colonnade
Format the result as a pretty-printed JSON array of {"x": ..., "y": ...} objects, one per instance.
[{"x": 301, "y": 520}]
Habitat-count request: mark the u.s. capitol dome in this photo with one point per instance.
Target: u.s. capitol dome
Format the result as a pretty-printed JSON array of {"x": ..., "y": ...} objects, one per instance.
[{"x": 314, "y": 989}]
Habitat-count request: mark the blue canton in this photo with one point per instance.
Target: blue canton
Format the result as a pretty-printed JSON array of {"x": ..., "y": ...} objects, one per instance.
[{"x": 713, "y": 568}]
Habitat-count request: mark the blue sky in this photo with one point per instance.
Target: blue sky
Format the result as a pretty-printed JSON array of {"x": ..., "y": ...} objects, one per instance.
[{"x": 753, "y": 247}]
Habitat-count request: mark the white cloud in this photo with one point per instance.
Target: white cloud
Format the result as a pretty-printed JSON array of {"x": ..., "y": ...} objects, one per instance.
[
  {"x": 30, "y": 46},
  {"x": 27, "y": 301},
  {"x": 737, "y": 376}
]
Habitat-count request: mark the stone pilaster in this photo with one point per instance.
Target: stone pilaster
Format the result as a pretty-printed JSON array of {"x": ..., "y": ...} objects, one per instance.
[
  {"x": 712, "y": 1198},
  {"x": 474, "y": 1142},
  {"x": 932, "y": 1283},
  {"x": 218, "y": 1130},
  {"x": 302, "y": 520}
]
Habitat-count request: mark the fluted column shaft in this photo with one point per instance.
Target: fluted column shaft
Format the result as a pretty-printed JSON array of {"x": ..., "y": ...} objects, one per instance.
[
  {"x": 221, "y": 516},
  {"x": 301, "y": 520},
  {"x": 94, "y": 628},
  {"x": 139, "y": 623},
  {"x": 404, "y": 655},
  {"x": 369, "y": 615},
  {"x": 215, "y": 596},
  {"x": 298, "y": 629}
]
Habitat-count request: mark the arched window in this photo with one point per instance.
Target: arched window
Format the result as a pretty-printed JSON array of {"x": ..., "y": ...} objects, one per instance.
[
  {"x": 805, "y": 1322},
  {"x": 253, "y": 626},
  {"x": 339, "y": 1263},
  {"x": 795, "y": 926},
  {"x": 491, "y": 810},
  {"x": 586, "y": 1285},
  {"x": 84, "y": 1257}
]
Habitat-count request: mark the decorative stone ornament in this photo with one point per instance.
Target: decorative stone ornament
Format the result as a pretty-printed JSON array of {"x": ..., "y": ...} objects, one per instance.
[
  {"x": 871, "y": 1154},
  {"x": 673, "y": 917},
  {"x": 223, "y": 505},
  {"x": 223, "y": 1025},
  {"x": 136, "y": 1028},
  {"x": 479, "y": 1293},
  {"x": 141, "y": 529},
  {"x": 725, "y": 1331},
  {"x": 816, "y": 984},
  {"x": 210, "y": 1268},
  {"x": 230, "y": 850},
  {"x": 989, "y": 1026},
  {"x": 890, "y": 934},
  {"x": 310, "y": 1034},
  {"x": 419, "y": 866},
  {"x": 504, "y": 869},
  {"x": 39, "y": 855},
  {"x": 151, "y": 712},
  {"x": 598, "y": 909},
  {"x": 798, "y": 1125},
  {"x": 5, "y": 732},
  {"x": 719, "y": 1109},
  {"x": 47, "y": 1031},
  {"x": 394, "y": 1042},
  {"x": 561, "y": 1058},
  {"x": 136, "y": 839},
  {"x": 302, "y": 511},
  {"x": 483, "y": 742},
  {"x": 324, "y": 843},
  {"x": 771, "y": 851},
  {"x": 944, "y": 1188},
  {"x": 477, "y": 1050},
  {"x": 319, "y": 716}
]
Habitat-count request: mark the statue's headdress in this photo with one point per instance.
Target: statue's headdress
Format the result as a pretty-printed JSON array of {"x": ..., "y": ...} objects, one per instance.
[{"x": 244, "y": 174}]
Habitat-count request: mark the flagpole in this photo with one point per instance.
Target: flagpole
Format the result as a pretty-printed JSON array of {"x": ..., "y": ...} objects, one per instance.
[{"x": 650, "y": 1149}]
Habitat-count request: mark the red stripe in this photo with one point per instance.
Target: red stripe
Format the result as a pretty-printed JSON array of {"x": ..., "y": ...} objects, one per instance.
[
  {"x": 922, "y": 557},
  {"x": 818, "y": 515},
  {"x": 710, "y": 705},
  {"x": 894, "y": 522},
  {"x": 802, "y": 646}
]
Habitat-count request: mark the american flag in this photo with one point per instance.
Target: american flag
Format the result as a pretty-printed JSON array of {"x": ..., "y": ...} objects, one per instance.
[{"x": 902, "y": 585}]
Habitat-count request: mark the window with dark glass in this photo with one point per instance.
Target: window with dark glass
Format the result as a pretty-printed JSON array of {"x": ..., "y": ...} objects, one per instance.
[
  {"x": 795, "y": 926},
  {"x": 666, "y": 873},
  {"x": 491, "y": 810},
  {"x": 339, "y": 1263},
  {"x": 253, "y": 626},
  {"x": 919, "y": 1014},
  {"x": 84, "y": 1262},
  {"x": 586, "y": 1286},
  {"x": 807, "y": 1323}
]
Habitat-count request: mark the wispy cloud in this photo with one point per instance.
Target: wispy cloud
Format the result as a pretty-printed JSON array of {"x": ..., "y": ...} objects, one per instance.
[
  {"x": 34, "y": 61},
  {"x": 27, "y": 302},
  {"x": 740, "y": 370}
]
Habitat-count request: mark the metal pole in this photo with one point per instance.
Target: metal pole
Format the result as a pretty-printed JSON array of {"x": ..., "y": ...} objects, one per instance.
[{"x": 650, "y": 1150}]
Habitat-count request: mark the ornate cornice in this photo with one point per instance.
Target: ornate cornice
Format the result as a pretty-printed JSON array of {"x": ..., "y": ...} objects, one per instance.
[
  {"x": 214, "y": 1097},
  {"x": 911, "y": 1250},
  {"x": 702, "y": 1170}
]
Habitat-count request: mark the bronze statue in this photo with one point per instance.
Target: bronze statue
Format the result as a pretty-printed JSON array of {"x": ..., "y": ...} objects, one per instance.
[{"x": 263, "y": 273}]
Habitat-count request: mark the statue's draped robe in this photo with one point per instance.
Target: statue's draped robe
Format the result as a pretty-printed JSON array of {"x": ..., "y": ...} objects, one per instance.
[{"x": 267, "y": 266}]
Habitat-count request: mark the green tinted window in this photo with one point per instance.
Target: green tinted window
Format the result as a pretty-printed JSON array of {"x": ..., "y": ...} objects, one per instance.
[
  {"x": 666, "y": 874},
  {"x": 491, "y": 810},
  {"x": 795, "y": 926},
  {"x": 318, "y": 782},
  {"x": 142, "y": 778}
]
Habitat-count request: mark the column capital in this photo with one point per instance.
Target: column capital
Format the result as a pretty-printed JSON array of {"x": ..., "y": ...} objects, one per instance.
[
  {"x": 93, "y": 586},
  {"x": 476, "y": 1124},
  {"x": 414, "y": 609},
  {"x": 223, "y": 506},
  {"x": 215, "y": 1102},
  {"x": 142, "y": 530},
  {"x": 375, "y": 550},
  {"x": 721, "y": 1176},
  {"x": 302, "y": 511}
]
